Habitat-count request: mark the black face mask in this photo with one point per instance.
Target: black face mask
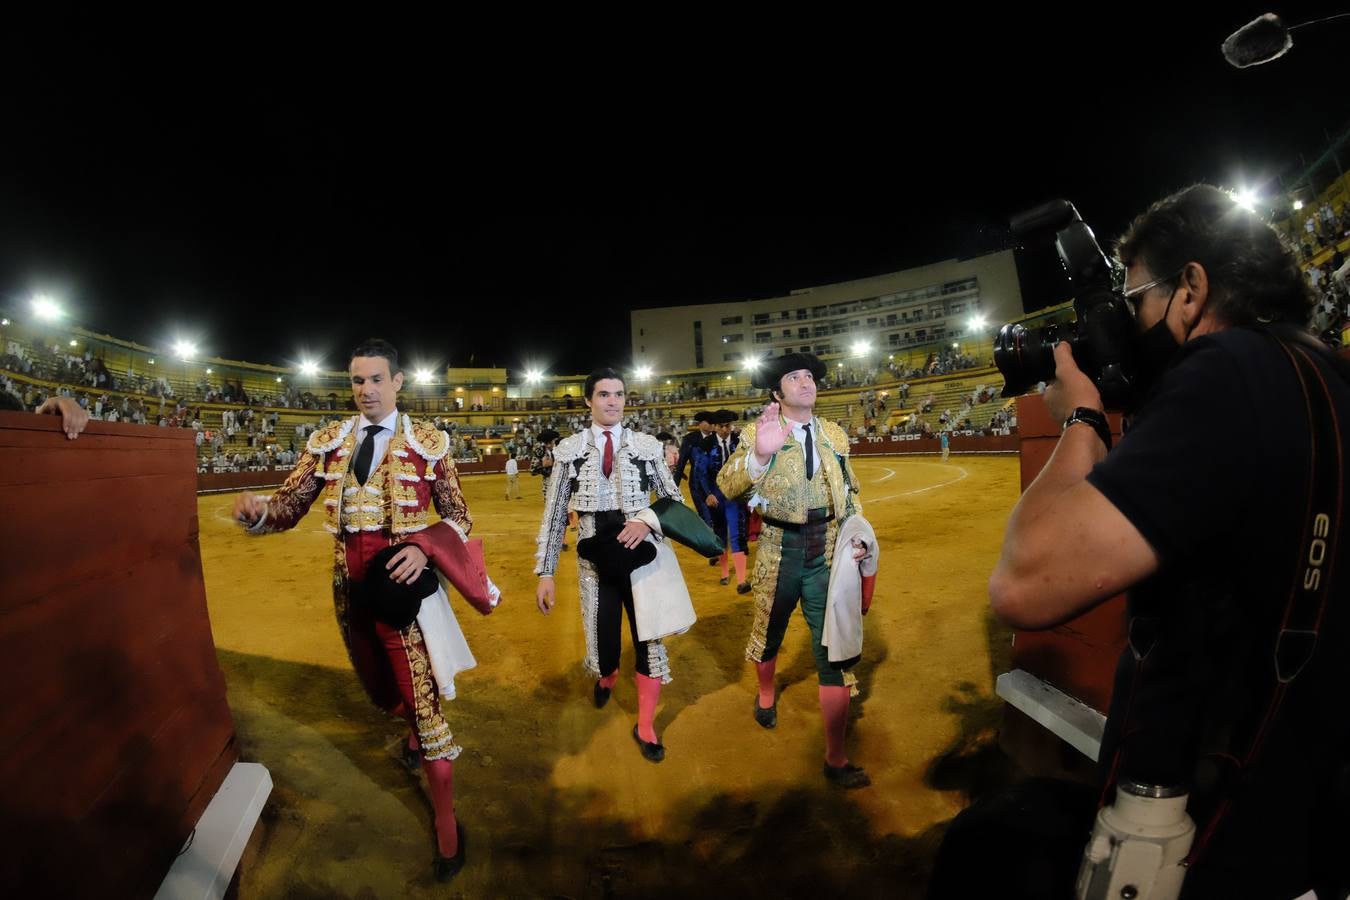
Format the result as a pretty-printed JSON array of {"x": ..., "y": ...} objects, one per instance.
[{"x": 1155, "y": 350}]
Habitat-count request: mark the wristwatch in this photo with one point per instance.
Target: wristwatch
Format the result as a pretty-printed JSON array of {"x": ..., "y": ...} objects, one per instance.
[{"x": 1094, "y": 417}]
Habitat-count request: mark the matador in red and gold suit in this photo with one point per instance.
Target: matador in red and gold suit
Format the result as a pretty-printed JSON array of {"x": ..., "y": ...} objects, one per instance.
[{"x": 405, "y": 671}]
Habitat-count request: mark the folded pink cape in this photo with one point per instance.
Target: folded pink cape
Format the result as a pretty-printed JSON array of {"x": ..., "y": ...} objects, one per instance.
[{"x": 459, "y": 560}]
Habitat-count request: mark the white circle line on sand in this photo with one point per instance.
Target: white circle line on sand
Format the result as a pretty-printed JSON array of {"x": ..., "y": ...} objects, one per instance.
[
  {"x": 222, "y": 516},
  {"x": 890, "y": 473},
  {"x": 932, "y": 487}
]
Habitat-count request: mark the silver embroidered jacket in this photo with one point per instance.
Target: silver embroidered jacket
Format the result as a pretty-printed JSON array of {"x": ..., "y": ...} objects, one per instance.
[{"x": 639, "y": 469}]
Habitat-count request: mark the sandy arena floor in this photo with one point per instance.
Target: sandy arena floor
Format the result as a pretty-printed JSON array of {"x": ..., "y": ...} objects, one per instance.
[{"x": 556, "y": 799}]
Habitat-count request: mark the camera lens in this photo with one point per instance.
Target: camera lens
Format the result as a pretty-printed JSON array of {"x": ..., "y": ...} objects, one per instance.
[{"x": 1026, "y": 356}]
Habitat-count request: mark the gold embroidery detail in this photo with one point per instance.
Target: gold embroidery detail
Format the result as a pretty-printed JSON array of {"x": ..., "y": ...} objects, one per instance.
[
  {"x": 330, "y": 436},
  {"x": 432, "y": 730},
  {"x": 784, "y": 487},
  {"x": 429, "y": 441},
  {"x": 338, "y": 477},
  {"x": 789, "y": 495},
  {"x": 768, "y": 557}
]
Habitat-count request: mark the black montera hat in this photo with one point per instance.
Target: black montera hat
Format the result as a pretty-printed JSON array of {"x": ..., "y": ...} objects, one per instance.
[
  {"x": 771, "y": 370},
  {"x": 394, "y": 604},
  {"x": 612, "y": 560}
]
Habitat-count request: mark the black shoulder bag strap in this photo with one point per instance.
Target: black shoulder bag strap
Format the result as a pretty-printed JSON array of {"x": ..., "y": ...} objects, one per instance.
[{"x": 1314, "y": 572}]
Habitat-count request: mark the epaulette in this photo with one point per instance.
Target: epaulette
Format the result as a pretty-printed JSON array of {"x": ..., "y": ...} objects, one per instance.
[
  {"x": 647, "y": 446},
  {"x": 330, "y": 437},
  {"x": 424, "y": 437},
  {"x": 837, "y": 436},
  {"x": 570, "y": 447}
]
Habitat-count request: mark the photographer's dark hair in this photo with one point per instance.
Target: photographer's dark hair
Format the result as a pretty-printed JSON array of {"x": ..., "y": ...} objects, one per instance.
[
  {"x": 1254, "y": 277},
  {"x": 378, "y": 347},
  {"x": 601, "y": 375}
]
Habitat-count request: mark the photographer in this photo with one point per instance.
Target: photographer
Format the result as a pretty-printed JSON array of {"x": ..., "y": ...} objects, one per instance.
[{"x": 1208, "y": 528}]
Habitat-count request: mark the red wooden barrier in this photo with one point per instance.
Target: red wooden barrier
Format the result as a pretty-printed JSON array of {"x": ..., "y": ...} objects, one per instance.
[
  {"x": 1078, "y": 657},
  {"x": 114, "y": 730}
]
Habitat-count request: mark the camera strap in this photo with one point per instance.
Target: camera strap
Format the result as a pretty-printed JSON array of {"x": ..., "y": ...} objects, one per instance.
[{"x": 1314, "y": 569}]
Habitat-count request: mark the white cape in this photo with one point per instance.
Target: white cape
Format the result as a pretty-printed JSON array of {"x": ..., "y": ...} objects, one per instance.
[
  {"x": 447, "y": 650},
  {"x": 661, "y": 603},
  {"x": 843, "y": 632}
]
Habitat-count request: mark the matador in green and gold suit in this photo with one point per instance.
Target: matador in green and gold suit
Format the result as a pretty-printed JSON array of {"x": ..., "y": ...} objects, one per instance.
[{"x": 801, "y": 510}]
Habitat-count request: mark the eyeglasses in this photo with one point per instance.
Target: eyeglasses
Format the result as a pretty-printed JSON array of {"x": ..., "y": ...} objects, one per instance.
[
  {"x": 1136, "y": 293},
  {"x": 1148, "y": 286}
]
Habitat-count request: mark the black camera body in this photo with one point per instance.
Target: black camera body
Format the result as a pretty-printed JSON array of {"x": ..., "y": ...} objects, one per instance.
[{"x": 1103, "y": 337}]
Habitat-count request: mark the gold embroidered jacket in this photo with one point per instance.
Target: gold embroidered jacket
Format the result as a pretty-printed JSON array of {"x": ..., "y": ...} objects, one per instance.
[
  {"x": 414, "y": 476},
  {"x": 783, "y": 487}
]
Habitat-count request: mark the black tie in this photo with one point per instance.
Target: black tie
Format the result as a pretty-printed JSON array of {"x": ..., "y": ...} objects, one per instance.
[
  {"x": 810, "y": 457},
  {"x": 365, "y": 454}
]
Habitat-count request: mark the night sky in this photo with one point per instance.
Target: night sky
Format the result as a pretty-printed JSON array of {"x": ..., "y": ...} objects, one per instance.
[{"x": 487, "y": 197}]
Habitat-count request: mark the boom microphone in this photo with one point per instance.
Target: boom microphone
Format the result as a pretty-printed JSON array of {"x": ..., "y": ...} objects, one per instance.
[
  {"x": 1259, "y": 41},
  {"x": 1263, "y": 39}
]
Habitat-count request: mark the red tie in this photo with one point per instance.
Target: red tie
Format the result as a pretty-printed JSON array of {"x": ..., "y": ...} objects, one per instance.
[{"x": 607, "y": 464}]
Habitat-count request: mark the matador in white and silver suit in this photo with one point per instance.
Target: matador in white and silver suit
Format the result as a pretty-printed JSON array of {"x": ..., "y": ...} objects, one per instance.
[{"x": 607, "y": 473}]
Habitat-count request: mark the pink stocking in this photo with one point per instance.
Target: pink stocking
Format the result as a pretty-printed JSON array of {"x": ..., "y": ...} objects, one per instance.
[
  {"x": 834, "y": 709},
  {"x": 739, "y": 560},
  {"x": 765, "y": 672},
  {"x": 441, "y": 781},
  {"x": 649, "y": 692}
]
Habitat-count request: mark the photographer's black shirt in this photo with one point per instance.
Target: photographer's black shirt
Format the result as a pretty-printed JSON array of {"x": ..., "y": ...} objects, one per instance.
[{"x": 1213, "y": 472}]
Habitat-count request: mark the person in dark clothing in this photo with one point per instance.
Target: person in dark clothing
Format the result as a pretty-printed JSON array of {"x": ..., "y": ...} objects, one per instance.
[
  {"x": 703, "y": 419},
  {"x": 1231, "y": 690},
  {"x": 691, "y": 450}
]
